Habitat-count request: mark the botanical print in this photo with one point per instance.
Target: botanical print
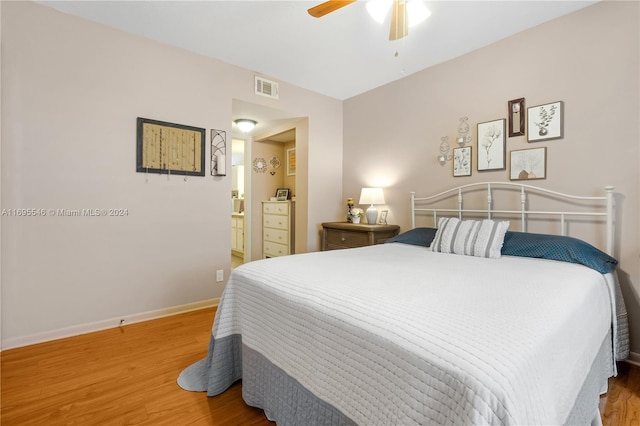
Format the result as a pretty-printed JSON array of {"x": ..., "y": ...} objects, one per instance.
[
  {"x": 491, "y": 145},
  {"x": 462, "y": 161},
  {"x": 528, "y": 164},
  {"x": 545, "y": 122},
  {"x": 544, "y": 119}
]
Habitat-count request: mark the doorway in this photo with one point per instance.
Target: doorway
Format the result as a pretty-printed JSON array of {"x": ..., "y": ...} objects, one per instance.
[
  {"x": 262, "y": 173},
  {"x": 238, "y": 207}
]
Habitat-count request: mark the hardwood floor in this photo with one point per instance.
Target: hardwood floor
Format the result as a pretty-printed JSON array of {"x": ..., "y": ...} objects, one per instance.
[
  {"x": 128, "y": 376},
  {"x": 623, "y": 398},
  {"x": 119, "y": 376}
]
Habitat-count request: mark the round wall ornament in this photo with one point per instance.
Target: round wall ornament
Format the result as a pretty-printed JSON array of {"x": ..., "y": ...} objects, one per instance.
[{"x": 259, "y": 165}]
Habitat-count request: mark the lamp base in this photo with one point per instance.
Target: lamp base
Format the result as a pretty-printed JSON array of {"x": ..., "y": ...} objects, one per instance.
[{"x": 372, "y": 215}]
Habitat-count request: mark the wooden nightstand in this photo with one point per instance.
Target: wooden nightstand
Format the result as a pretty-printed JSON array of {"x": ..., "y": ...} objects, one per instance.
[{"x": 341, "y": 235}]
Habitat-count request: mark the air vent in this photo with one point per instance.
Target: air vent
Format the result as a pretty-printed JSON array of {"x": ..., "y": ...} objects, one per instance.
[{"x": 266, "y": 88}]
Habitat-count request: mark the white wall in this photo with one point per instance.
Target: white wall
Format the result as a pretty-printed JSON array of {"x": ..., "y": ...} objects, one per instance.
[
  {"x": 588, "y": 59},
  {"x": 73, "y": 90}
]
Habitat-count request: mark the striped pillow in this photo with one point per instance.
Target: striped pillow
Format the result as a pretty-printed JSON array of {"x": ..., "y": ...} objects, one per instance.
[{"x": 469, "y": 237}]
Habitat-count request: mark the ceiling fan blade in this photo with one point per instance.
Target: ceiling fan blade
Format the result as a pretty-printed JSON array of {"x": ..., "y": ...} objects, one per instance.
[
  {"x": 399, "y": 21},
  {"x": 328, "y": 7}
]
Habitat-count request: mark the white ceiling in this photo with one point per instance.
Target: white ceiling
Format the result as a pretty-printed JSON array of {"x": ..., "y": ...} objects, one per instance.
[{"x": 340, "y": 55}]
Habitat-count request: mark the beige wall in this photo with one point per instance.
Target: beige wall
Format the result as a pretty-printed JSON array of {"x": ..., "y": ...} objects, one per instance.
[
  {"x": 589, "y": 60},
  {"x": 73, "y": 90}
]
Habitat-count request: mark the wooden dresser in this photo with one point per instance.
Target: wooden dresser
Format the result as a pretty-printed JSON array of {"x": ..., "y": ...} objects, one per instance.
[
  {"x": 277, "y": 228},
  {"x": 341, "y": 235}
]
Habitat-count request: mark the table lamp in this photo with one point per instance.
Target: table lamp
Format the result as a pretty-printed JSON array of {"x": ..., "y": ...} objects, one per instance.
[{"x": 372, "y": 196}]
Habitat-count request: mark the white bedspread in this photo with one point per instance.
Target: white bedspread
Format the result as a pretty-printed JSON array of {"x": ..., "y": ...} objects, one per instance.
[{"x": 397, "y": 334}]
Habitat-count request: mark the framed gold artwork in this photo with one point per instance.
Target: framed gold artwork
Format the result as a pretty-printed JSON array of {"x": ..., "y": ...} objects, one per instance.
[
  {"x": 291, "y": 162},
  {"x": 170, "y": 148}
]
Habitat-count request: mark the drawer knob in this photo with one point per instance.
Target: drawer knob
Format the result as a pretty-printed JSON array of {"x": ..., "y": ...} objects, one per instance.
[{"x": 342, "y": 239}]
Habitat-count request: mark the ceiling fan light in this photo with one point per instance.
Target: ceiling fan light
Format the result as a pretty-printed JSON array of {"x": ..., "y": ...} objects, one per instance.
[
  {"x": 245, "y": 125},
  {"x": 417, "y": 12},
  {"x": 378, "y": 9}
]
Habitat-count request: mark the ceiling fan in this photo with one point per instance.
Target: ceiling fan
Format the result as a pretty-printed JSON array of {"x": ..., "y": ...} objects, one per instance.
[{"x": 399, "y": 14}]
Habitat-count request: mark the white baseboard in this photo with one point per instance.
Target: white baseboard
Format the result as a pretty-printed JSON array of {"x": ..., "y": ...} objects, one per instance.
[
  {"x": 76, "y": 330},
  {"x": 634, "y": 358}
]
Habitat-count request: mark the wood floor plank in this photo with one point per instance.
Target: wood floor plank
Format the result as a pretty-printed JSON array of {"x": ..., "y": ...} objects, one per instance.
[{"x": 127, "y": 376}]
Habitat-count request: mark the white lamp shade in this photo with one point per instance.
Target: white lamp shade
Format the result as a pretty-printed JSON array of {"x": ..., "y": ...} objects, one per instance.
[
  {"x": 417, "y": 12},
  {"x": 371, "y": 196},
  {"x": 378, "y": 9}
]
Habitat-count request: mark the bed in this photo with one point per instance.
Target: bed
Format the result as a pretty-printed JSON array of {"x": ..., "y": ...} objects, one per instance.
[{"x": 428, "y": 328}]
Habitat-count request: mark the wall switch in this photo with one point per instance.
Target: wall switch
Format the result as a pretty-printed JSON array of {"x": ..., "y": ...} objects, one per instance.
[{"x": 219, "y": 275}]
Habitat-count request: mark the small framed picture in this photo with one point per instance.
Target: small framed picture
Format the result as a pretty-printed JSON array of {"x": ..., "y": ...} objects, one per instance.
[
  {"x": 382, "y": 219},
  {"x": 492, "y": 145},
  {"x": 462, "y": 161},
  {"x": 545, "y": 122},
  {"x": 528, "y": 164},
  {"x": 291, "y": 162},
  {"x": 516, "y": 117},
  {"x": 282, "y": 194}
]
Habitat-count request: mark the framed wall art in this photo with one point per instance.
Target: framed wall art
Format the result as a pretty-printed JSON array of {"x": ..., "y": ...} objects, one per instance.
[
  {"x": 218, "y": 152},
  {"x": 545, "y": 122},
  {"x": 462, "y": 161},
  {"x": 170, "y": 148},
  {"x": 291, "y": 162},
  {"x": 516, "y": 117},
  {"x": 528, "y": 164},
  {"x": 492, "y": 145}
]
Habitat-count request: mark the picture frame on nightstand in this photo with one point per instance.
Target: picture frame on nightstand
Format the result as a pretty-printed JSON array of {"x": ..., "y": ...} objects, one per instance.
[{"x": 382, "y": 219}]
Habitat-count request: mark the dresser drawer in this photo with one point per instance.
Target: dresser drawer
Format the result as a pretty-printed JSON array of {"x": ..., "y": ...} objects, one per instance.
[
  {"x": 271, "y": 249},
  {"x": 276, "y": 208},
  {"x": 347, "y": 239},
  {"x": 341, "y": 235},
  {"x": 275, "y": 221},
  {"x": 275, "y": 235}
]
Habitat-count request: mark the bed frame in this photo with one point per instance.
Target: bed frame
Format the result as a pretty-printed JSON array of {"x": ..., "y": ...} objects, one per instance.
[{"x": 578, "y": 206}]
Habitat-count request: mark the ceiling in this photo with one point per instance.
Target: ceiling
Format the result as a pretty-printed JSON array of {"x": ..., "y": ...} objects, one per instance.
[{"x": 340, "y": 55}]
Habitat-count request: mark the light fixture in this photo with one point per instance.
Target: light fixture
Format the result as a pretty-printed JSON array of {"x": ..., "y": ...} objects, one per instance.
[
  {"x": 462, "y": 139},
  {"x": 417, "y": 12},
  {"x": 372, "y": 196},
  {"x": 444, "y": 151},
  {"x": 463, "y": 130},
  {"x": 245, "y": 125}
]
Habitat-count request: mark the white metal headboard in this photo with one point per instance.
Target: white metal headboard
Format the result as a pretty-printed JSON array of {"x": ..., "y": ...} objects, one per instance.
[{"x": 603, "y": 209}]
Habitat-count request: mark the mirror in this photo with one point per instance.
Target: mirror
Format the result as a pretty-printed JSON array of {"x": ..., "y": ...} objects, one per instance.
[{"x": 516, "y": 117}]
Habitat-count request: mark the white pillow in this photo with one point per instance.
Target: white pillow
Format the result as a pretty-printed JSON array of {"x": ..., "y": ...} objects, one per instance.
[{"x": 469, "y": 237}]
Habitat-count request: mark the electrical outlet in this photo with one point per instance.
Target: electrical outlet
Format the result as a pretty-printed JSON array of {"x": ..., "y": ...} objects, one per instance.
[{"x": 219, "y": 275}]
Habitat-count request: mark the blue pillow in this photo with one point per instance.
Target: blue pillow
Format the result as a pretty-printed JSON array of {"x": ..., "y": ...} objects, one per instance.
[
  {"x": 415, "y": 236},
  {"x": 557, "y": 247}
]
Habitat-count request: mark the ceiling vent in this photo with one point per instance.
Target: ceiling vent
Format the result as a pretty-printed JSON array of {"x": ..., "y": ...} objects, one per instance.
[{"x": 266, "y": 88}]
